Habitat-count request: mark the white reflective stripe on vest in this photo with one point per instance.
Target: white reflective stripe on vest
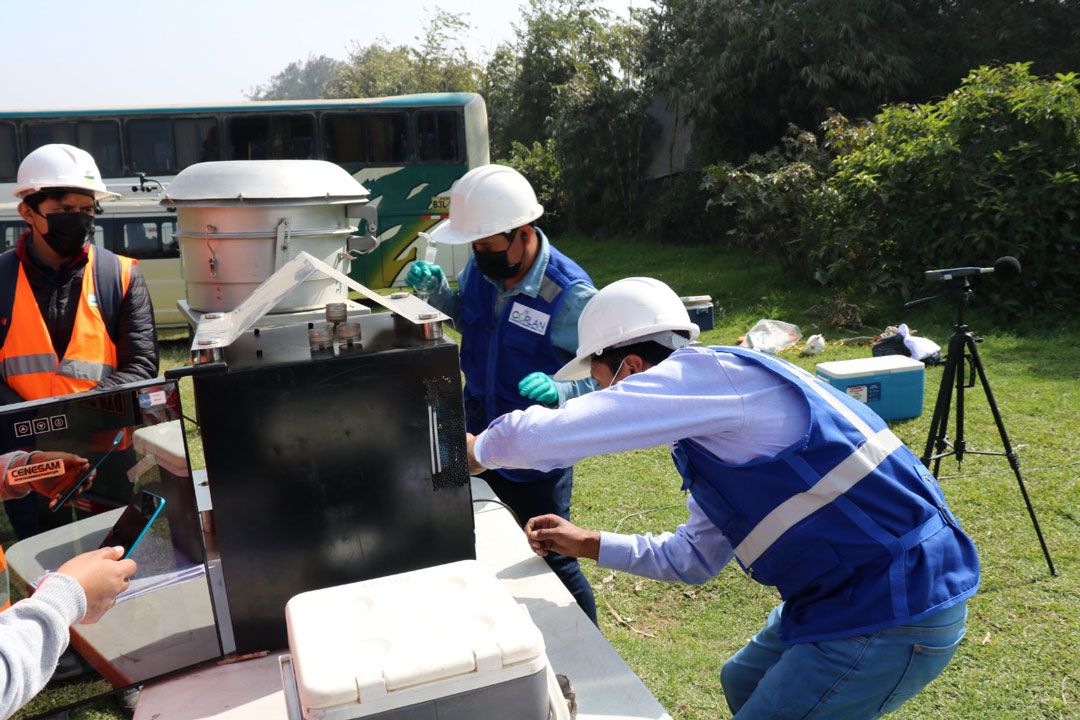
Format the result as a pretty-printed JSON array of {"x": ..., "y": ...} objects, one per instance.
[
  {"x": 5, "y": 588},
  {"x": 29, "y": 364},
  {"x": 832, "y": 485},
  {"x": 84, "y": 370}
]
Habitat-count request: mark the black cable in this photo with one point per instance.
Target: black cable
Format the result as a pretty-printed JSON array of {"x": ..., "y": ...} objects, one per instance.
[{"x": 500, "y": 502}]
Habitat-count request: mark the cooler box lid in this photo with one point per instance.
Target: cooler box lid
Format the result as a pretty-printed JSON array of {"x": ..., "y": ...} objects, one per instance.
[
  {"x": 394, "y": 641},
  {"x": 165, "y": 441},
  {"x": 696, "y": 300},
  {"x": 884, "y": 364}
]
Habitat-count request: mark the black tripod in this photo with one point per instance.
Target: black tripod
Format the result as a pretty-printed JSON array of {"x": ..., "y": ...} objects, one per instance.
[{"x": 963, "y": 351}]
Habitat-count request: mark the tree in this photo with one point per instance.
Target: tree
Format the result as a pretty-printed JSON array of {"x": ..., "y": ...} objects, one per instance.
[
  {"x": 567, "y": 94},
  {"x": 437, "y": 64},
  {"x": 376, "y": 70},
  {"x": 301, "y": 80},
  {"x": 601, "y": 129},
  {"x": 744, "y": 70},
  {"x": 442, "y": 63}
]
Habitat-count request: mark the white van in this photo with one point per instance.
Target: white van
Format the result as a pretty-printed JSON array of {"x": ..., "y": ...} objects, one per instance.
[{"x": 137, "y": 228}]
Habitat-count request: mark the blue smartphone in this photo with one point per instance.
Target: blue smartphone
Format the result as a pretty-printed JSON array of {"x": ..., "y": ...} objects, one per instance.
[
  {"x": 133, "y": 523},
  {"x": 79, "y": 483}
]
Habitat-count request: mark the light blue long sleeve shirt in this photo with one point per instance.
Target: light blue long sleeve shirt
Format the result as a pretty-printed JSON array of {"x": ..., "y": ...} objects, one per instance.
[
  {"x": 563, "y": 327},
  {"x": 736, "y": 410}
]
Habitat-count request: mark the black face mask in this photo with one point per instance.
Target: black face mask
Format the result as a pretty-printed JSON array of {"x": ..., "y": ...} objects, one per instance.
[
  {"x": 68, "y": 232},
  {"x": 495, "y": 264}
]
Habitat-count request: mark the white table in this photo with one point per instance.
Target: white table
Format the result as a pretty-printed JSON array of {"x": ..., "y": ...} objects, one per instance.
[{"x": 605, "y": 686}]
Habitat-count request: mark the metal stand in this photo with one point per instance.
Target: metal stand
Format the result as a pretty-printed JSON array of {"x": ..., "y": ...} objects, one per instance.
[{"x": 963, "y": 351}]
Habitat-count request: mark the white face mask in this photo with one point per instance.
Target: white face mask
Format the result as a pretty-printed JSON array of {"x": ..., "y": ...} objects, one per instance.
[{"x": 617, "y": 371}]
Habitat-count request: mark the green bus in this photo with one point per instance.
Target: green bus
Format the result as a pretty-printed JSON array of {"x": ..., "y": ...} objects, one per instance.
[{"x": 406, "y": 150}]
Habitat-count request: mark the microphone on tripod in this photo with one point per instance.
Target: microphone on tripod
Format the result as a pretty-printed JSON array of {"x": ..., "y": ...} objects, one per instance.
[
  {"x": 963, "y": 355},
  {"x": 1007, "y": 267}
]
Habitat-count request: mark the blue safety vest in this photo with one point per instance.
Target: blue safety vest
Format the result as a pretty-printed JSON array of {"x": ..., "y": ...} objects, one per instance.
[
  {"x": 500, "y": 346},
  {"x": 846, "y": 523}
]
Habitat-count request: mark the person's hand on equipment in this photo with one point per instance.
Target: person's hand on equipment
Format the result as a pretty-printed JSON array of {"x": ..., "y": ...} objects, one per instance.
[
  {"x": 424, "y": 276},
  {"x": 74, "y": 467},
  {"x": 551, "y": 533},
  {"x": 539, "y": 387},
  {"x": 102, "y": 575},
  {"x": 475, "y": 468}
]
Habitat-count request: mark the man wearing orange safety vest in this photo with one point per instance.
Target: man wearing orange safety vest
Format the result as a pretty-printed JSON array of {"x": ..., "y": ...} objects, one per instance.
[{"x": 73, "y": 316}]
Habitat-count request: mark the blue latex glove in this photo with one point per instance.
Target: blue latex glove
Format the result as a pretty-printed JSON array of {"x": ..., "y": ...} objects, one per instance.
[
  {"x": 540, "y": 387},
  {"x": 424, "y": 276}
]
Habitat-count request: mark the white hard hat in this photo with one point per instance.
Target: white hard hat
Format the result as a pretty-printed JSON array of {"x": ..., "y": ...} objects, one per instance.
[
  {"x": 60, "y": 166},
  {"x": 488, "y": 200},
  {"x": 627, "y": 311}
]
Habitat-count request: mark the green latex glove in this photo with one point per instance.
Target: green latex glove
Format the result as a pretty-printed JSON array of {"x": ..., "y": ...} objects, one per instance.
[
  {"x": 424, "y": 276},
  {"x": 540, "y": 387}
]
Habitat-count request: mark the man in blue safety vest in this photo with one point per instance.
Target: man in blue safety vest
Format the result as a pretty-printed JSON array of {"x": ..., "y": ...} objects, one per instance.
[
  {"x": 805, "y": 487},
  {"x": 517, "y": 306}
]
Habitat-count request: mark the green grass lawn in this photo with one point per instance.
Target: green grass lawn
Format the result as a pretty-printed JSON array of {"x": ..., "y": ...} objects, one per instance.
[{"x": 1021, "y": 657}]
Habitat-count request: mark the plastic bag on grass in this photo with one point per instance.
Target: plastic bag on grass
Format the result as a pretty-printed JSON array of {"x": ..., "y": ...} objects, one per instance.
[
  {"x": 772, "y": 336},
  {"x": 902, "y": 341}
]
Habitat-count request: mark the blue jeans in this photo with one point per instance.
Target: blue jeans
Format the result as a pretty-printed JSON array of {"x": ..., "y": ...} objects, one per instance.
[
  {"x": 528, "y": 500},
  {"x": 863, "y": 676}
]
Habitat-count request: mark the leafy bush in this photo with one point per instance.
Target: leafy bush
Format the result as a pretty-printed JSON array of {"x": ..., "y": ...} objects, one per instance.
[
  {"x": 771, "y": 196},
  {"x": 990, "y": 170},
  {"x": 540, "y": 167},
  {"x": 676, "y": 209}
]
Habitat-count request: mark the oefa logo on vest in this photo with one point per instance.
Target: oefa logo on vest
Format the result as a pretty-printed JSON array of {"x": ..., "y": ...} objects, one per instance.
[{"x": 530, "y": 319}]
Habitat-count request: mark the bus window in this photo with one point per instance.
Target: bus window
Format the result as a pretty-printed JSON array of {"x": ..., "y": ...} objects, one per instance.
[
  {"x": 100, "y": 138},
  {"x": 196, "y": 141},
  {"x": 278, "y": 137},
  {"x": 365, "y": 139},
  {"x": 437, "y": 135},
  {"x": 150, "y": 146},
  {"x": 169, "y": 244},
  {"x": 168, "y": 146},
  {"x": 144, "y": 239},
  {"x": 9, "y": 153},
  {"x": 9, "y": 233}
]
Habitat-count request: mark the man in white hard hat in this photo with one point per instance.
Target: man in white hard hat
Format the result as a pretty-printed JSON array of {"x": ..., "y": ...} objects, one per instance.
[
  {"x": 73, "y": 316},
  {"x": 804, "y": 486},
  {"x": 517, "y": 307}
]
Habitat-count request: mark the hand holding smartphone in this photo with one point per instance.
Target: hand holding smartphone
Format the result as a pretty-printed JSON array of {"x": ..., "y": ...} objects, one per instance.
[{"x": 133, "y": 523}]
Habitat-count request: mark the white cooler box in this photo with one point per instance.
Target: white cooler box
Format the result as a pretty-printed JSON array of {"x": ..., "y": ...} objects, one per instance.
[{"x": 447, "y": 642}]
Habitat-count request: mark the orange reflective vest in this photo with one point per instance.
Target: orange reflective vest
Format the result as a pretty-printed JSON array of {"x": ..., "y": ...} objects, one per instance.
[
  {"x": 5, "y": 585},
  {"x": 28, "y": 361}
]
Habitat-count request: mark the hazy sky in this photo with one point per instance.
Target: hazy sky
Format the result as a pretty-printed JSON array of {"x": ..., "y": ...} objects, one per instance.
[{"x": 65, "y": 54}]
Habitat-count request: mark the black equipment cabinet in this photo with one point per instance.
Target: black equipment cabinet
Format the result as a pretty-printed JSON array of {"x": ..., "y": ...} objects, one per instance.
[{"x": 331, "y": 466}]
